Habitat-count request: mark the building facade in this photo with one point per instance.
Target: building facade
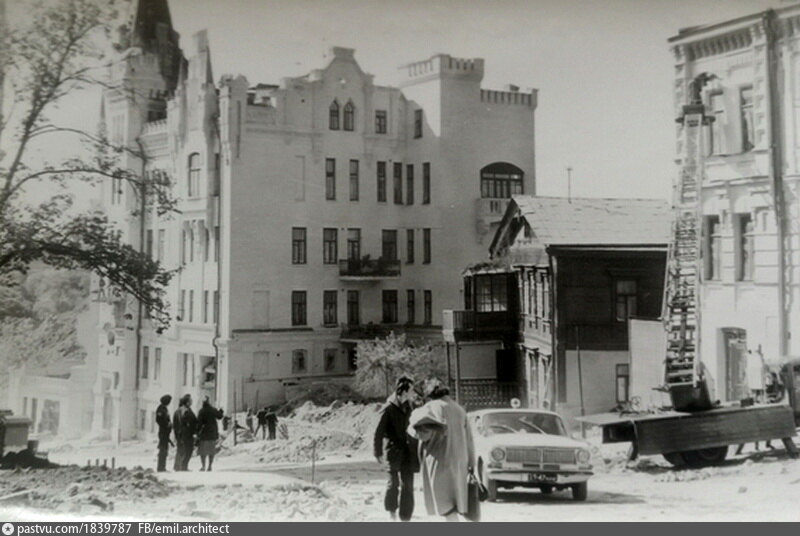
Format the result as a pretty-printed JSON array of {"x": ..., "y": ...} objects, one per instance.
[
  {"x": 312, "y": 213},
  {"x": 750, "y": 298}
]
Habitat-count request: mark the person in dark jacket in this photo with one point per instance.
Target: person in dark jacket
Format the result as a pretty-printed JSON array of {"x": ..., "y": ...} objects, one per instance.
[
  {"x": 208, "y": 433},
  {"x": 401, "y": 457},
  {"x": 164, "y": 430},
  {"x": 184, "y": 425},
  {"x": 272, "y": 422},
  {"x": 261, "y": 417}
]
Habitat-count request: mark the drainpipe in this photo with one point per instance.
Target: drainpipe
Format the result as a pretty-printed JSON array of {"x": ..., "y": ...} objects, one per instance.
[{"x": 771, "y": 33}]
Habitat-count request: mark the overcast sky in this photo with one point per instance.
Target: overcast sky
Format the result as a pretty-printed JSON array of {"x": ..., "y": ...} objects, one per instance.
[{"x": 602, "y": 67}]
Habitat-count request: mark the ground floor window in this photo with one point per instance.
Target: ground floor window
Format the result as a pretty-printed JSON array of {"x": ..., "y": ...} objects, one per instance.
[{"x": 623, "y": 382}]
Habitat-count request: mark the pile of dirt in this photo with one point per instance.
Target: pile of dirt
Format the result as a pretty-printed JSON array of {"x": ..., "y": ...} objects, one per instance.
[
  {"x": 319, "y": 394},
  {"x": 80, "y": 489}
]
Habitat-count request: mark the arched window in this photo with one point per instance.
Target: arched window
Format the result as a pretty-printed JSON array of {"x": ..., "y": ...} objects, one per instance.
[
  {"x": 333, "y": 123},
  {"x": 349, "y": 115},
  {"x": 193, "y": 180},
  {"x": 501, "y": 180}
]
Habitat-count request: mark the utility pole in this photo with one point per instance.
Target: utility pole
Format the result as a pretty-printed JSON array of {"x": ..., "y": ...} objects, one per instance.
[{"x": 569, "y": 184}]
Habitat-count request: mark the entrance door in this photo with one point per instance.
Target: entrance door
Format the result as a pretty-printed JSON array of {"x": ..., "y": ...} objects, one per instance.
[{"x": 735, "y": 359}]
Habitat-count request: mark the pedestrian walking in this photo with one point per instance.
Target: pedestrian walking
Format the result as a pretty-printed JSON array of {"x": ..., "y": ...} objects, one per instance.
[
  {"x": 261, "y": 417},
  {"x": 164, "y": 431},
  {"x": 248, "y": 420},
  {"x": 184, "y": 425},
  {"x": 447, "y": 452},
  {"x": 272, "y": 422},
  {"x": 207, "y": 433},
  {"x": 401, "y": 455}
]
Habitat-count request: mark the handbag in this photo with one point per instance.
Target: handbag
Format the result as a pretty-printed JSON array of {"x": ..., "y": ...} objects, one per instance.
[{"x": 476, "y": 493}]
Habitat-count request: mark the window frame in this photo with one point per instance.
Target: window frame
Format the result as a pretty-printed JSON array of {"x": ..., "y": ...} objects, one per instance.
[
  {"x": 410, "y": 246},
  {"x": 299, "y": 361},
  {"x": 409, "y": 184},
  {"x": 349, "y": 117},
  {"x": 354, "y": 243},
  {"x": 713, "y": 247},
  {"x": 381, "y": 181},
  {"x": 715, "y": 133},
  {"x": 389, "y": 306},
  {"x": 427, "y": 304},
  {"x": 353, "y": 307},
  {"x": 330, "y": 245},
  {"x": 426, "y": 183},
  {"x": 333, "y": 115},
  {"x": 143, "y": 373},
  {"x": 627, "y": 299},
  {"x": 299, "y": 245},
  {"x": 329, "y": 356},
  {"x": 354, "y": 180},
  {"x": 426, "y": 246},
  {"x": 397, "y": 182},
  {"x": 747, "y": 125},
  {"x": 745, "y": 247},
  {"x": 389, "y": 245},
  {"x": 330, "y": 179},
  {"x": 381, "y": 122},
  {"x": 193, "y": 176},
  {"x": 299, "y": 308},
  {"x": 417, "y": 123},
  {"x": 411, "y": 306},
  {"x": 330, "y": 307},
  {"x": 501, "y": 180}
]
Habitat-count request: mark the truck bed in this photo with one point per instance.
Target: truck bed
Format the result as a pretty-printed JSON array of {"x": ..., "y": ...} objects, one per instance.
[{"x": 673, "y": 431}]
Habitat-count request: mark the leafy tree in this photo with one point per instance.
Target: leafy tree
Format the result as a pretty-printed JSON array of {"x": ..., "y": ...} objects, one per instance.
[
  {"x": 380, "y": 362},
  {"x": 59, "y": 53}
]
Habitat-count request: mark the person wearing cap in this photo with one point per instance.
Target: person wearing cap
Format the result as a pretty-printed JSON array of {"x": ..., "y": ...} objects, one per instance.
[
  {"x": 184, "y": 423},
  {"x": 447, "y": 451},
  {"x": 164, "y": 430},
  {"x": 401, "y": 456}
]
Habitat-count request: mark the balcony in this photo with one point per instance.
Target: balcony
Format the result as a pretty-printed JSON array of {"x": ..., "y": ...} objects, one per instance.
[
  {"x": 473, "y": 325},
  {"x": 486, "y": 393},
  {"x": 366, "y": 269}
]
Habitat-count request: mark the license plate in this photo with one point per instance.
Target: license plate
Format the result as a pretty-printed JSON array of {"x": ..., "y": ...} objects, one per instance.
[{"x": 541, "y": 477}]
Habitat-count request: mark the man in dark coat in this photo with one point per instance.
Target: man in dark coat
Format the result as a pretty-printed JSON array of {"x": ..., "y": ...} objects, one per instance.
[
  {"x": 164, "y": 430},
  {"x": 208, "y": 433},
  {"x": 184, "y": 424},
  {"x": 272, "y": 423},
  {"x": 401, "y": 456},
  {"x": 261, "y": 417}
]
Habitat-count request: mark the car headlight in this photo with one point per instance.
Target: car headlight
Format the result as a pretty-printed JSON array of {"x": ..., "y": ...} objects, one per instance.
[
  {"x": 498, "y": 454},
  {"x": 583, "y": 456}
]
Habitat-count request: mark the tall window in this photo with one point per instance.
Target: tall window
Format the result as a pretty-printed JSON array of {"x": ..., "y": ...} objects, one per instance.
[
  {"x": 745, "y": 253},
  {"x": 389, "y": 245},
  {"x": 426, "y": 246},
  {"x": 353, "y": 180},
  {"x": 298, "y": 307},
  {"x": 193, "y": 182},
  {"x": 716, "y": 110},
  {"x": 145, "y": 361},
  {"x": 426, "y": 183},
  {"x": 353, "y": 313},
  {"x": 182, "y": 307},
  {"x": 157, "y": 365},
  {"x": 190, "y": 232},
  {"x": 330, "y": 359},
  {"x": 428, "y": 311},
  {"x": 330, "y": 179},
  {"x": 330, "y": 253},
  {"x": 410, "y": 184},
  {"x": 410, "y": 246},
  {"x": 411, "y": 306},
  {"x": 625, "y": 299},
  {"x": 417, "y": 123},
  {"x": 398, "y": 183},
  {"x": 191, "y": 306},
  {"x": 390, "y": 306},
  {"x": 380, "y": 121},
  {"x": 216, "y": 306},
  {"x": 501, "y": 180},
  {"x": 299, "y": 361},
  {"x": 623, "y": 381},
  {"x": 713, "y": 248},
  {"x": 491, "y": 293},
  {"x": 216, "y": 243},
  {"x": 298, "y": 245},
  {"x": 333, "y": 116},
  {"x": 148, "y": 249},
  {"x": 329, "y": 308},
  {"x": 162, "y": 242},
  {"x": 205, "y": 307},
  {"x": 206, "y": 243},
  {"x": 746, "y": 113},
  {"x": 381, "y": 182},
  {"x": 349, "y": 116},
  {"x": 353, "y": 244},
  {"x": 185, "y": 368}
]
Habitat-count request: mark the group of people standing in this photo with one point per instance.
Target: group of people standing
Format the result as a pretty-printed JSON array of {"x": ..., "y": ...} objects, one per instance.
[
  {"x": 190, "y": 431},
  {"x": 435, "y": 439},
  {"x": 266, "y": 419}
]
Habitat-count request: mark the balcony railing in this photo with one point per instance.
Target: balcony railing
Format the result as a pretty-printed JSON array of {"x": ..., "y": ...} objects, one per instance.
[
  {"x": 367, "y": 268},
  {"x": 486, "y": 393},
  {"x": 356, "y": 332},
  {"x": 477, "y": 325}
]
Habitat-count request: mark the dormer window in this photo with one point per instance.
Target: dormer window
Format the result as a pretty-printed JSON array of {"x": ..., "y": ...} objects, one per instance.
[
  {"x": 349, "y": 116},
  {"x": 333, "y": 122}
]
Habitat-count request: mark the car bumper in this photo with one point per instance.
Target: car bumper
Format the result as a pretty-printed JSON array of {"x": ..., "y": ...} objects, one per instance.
[{"x": 539, "y": 477}]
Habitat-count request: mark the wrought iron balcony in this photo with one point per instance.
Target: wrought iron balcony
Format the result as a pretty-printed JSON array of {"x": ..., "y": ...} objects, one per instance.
[{"x": 366, "y": 269}]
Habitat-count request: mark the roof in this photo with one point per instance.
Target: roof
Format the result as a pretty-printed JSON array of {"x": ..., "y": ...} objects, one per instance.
[{"x": 559, "y": 221}]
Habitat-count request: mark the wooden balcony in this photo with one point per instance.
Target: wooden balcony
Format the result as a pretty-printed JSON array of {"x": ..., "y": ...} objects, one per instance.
[
  {"x": 473, "y": 325},
  {"x": 367, "y": 269}
]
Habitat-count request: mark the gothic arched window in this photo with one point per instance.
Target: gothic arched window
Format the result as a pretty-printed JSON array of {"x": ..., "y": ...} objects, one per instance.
[
  {"x": 349, "y": 116},
  {"x": 333, "y": 122},
  {"x": 501, "y": 180}
]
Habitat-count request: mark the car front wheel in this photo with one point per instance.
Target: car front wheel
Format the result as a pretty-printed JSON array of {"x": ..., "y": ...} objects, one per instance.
[
  {"x": 491, "y": 485},
  {"x": 580, "y": 491}
]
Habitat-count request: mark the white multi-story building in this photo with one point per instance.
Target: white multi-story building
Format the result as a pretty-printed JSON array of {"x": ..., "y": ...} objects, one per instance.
[
  {"x": 750, "y": 297},
  {"x": 311, "y": 214}
]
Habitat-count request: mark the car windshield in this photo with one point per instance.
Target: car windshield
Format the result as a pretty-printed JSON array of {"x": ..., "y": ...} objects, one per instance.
[{"x": 521, "y": 422}]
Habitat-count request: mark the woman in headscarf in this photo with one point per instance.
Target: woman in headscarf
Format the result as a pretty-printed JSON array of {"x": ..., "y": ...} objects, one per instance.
[
  {"x": 207, "y": 433},
  {"x": 447, "y": 451}
]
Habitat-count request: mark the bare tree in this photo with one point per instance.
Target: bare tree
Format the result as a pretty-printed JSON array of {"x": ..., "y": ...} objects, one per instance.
[{"x": 61, "y": 51}]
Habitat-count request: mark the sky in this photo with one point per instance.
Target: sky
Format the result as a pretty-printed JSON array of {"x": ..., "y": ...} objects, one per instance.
[{"x": 603, "y": 68}]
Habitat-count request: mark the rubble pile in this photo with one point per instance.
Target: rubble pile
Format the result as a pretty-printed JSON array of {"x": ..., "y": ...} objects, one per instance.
[
  {"x": 319, "y": 394},
  {"x": 80, "y": 489}
]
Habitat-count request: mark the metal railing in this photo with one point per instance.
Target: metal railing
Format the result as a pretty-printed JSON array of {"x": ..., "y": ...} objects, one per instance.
[
  {"x": 486, "y": 393},
  {"x": 367, "y": 267}
]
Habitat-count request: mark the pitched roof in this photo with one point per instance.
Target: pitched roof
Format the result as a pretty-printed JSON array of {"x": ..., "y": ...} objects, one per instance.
[{"x": 558, "y": 221}]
